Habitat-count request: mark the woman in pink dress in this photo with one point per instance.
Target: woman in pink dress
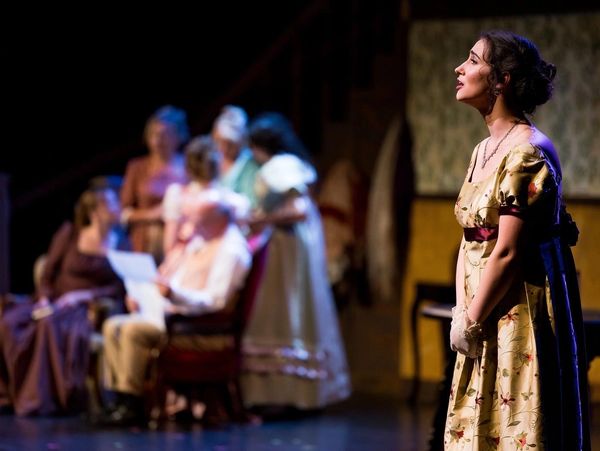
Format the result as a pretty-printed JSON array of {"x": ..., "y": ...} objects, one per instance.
[{"x": 147, "y": 178}]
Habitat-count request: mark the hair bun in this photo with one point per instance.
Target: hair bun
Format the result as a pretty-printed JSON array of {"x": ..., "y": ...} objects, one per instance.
[
  {"x": 531, "y": 78},
  {"x": 549, "y": 70}
]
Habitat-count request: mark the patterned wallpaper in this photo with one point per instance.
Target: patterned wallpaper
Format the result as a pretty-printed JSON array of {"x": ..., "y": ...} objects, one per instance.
[{"x": 445, "y": 131}]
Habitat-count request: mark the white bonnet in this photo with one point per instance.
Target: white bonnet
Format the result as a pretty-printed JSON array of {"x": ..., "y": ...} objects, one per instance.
[{"x": 231, "y": 124}]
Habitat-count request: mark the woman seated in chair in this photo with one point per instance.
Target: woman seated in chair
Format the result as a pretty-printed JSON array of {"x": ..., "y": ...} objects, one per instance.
[{"x": 45, "y": 354}]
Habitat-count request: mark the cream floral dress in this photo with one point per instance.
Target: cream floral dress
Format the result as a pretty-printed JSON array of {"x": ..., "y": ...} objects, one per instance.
[{"x": 495, "y": 400}]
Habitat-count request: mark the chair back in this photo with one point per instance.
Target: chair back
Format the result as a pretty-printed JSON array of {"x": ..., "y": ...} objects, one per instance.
[
  {"x": 198, "y": 365},
  {"x": 201, "y": 369},
  {"x": 230, "y": 320}
]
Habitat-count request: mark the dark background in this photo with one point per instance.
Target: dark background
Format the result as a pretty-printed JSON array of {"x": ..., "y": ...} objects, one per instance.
[{"x": 79, "y": 85}]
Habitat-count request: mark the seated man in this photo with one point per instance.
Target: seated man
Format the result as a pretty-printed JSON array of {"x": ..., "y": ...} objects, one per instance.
[{"x": 199, "y": 276}]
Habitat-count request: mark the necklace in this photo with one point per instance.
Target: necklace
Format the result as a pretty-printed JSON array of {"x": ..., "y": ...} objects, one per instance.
[{"x": 486, "y": 158}]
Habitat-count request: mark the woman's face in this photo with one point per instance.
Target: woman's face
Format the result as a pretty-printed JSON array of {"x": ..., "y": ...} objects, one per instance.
[
  {"x": 229, "y": 149},
  {"x": 472, "y": 85},
  {"x": 108, "y": 209},
  {"x": 162, "y": 138},
  {"x": 260, "y": 154}
]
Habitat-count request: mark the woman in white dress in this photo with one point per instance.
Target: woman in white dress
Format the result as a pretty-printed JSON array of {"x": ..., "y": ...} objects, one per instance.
[{"x": 293, "y": 351}]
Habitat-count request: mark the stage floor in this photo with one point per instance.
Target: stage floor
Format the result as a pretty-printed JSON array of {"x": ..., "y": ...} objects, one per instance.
[{"x": 363, "y": 423}]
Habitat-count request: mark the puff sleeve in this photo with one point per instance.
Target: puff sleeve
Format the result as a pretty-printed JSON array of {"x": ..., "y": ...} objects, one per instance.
[
  {"x": 284, "y": 176},
  {"x": 523, "y": 180},
  {"x": 172, "y": 202}
]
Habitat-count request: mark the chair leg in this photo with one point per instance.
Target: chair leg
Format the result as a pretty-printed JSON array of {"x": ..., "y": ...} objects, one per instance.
[
  {"x": 156, "y": 392},
  {"x": 235, "y": 400},
  {"x": 436, "y": 440},
  {"x": 95, "y": 401},
  {"x": 157, "y": 408},
  {"x": 414, "y": 328}
]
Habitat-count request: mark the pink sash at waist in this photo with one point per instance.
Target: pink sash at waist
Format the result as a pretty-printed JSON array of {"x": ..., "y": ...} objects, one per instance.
[{"x": 480, "y": 234}]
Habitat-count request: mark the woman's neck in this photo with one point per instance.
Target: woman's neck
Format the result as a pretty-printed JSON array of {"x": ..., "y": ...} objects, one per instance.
[{"x": 500, "y": 120}]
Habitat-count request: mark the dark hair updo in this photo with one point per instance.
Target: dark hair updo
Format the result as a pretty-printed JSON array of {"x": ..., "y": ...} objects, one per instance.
[
  {"x": 175, "y": 117},
  {"x": 275, "y": 134},
  {"x": 531, "y": 77}
]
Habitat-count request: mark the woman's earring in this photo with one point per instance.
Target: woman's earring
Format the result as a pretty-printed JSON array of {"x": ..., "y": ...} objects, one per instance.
[{"x": 497, "y": 91}]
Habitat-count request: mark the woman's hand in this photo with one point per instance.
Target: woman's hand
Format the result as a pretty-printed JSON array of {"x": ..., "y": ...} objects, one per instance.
[
  {"x": 257, "y": 221},
  {"x": 465, "y": 334},
  {"x": 42, "y": 308}
]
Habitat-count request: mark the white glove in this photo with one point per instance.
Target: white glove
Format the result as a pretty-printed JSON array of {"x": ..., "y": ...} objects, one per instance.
[{"x": 465, "y": 334}]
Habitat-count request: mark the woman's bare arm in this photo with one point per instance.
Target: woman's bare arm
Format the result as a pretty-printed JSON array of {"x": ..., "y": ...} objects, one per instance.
[{"x": 500, "y": 269}]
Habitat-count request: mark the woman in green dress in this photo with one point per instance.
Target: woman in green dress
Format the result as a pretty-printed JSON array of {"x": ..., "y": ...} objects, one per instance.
[
  {"x": 238, "y": 168},
  {"x": 519, "y": 380}
]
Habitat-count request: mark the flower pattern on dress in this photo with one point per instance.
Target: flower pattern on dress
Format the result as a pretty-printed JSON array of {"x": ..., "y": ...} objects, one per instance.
[
  {"x": 532, "y": 190},
  {"x": 510, "y": 316},
  {"x": 479, "y": 399},
  {"x": 521, "y": 441},
  {"x": 507, "y": 400},
  {"x": 458, "y": 433},
  {"x": 495, "y": 401}
]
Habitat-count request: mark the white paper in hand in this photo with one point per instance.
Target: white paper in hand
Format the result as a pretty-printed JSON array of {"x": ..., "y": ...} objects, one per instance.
[
  {"x": 138, "y": 272},
  {"x": 150, "y": 301},
  {"x": 133, "y": 265}
]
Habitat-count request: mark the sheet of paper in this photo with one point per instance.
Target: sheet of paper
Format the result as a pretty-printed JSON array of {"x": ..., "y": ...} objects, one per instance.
[
  {"x": 149, "y": 299},
  {"x": 138, "y": 272},
  {"x": 133, "y": 265}
]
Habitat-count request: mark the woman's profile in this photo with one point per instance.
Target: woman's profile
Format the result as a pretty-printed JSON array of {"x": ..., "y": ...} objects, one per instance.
[{"x": 519, "y": 380}]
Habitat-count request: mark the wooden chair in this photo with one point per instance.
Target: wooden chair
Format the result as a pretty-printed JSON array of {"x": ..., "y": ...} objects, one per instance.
[
  {"x": 434, "y": 300},
  {"x": 429, "y": 296},
  {"x": 212, "y": 375},
  {"x": 98, "y": 311}
]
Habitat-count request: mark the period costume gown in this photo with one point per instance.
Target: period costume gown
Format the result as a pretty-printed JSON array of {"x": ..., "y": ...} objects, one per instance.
[
  {"x": 44, "y": 363},
  {"x": 293, "y": 354},
  {"x": 144, "y": 188},
  {"x": 514, "y": 396},
  {"x": 242, "y": 175}
]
